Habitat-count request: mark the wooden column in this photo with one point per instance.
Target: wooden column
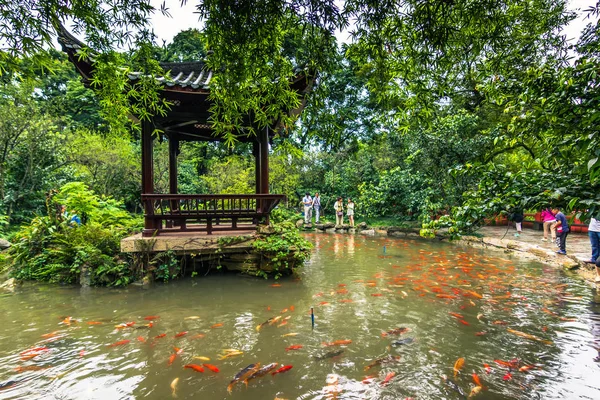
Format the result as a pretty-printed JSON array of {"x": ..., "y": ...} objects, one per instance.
[
  {"x": 256, "y": 154},
  {"x": 264, "y": 161},
  {"x": 148, "y": 177},
  {"x": 173, "y": 153}
]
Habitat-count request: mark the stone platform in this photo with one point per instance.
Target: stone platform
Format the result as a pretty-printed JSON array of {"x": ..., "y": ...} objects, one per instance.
[{"x": 188, "y": 242}]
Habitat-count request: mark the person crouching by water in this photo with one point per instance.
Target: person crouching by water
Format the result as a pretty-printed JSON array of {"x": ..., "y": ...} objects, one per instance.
[
  {"x": 548, "y": 219},
  {"x": 517, "y": 216},
  {"x": 317, "y": 206},
  {"x": 562, "y": 230},
  {"x": 307, "y": 201},
  {"x": 339, "y": 211},
  {"x": 350, "y": 212}
]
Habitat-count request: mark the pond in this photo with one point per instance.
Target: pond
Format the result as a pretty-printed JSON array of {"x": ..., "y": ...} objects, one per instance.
[{"x": 393, "y": 318}]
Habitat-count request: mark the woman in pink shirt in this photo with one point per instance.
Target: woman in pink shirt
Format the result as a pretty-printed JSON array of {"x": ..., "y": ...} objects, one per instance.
[{"x": 549, "y": 220}]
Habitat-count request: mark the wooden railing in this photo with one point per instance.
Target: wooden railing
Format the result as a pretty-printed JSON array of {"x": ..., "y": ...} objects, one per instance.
[{"x": 205, "y": 212}]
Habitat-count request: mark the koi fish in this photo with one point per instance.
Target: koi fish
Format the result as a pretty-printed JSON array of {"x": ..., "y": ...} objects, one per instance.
[
  {"x": 453, "y": 385},
  {"x": 456, "y": 315},
  {"x": 276, "y": 285},
  {"x": 284, "y": 311},
  {"x": 230, "y": 354},
  {"x": 270, "y": 321},
  {"x": 201, "y": 358},
  {"x": 35, "y": 350},
  {"x": 388, "y": 378},
  {"x": 376, "y": 294},
  {"x": 195, "y": 367},
  {"x": 141, "y": 339},
  {"x": 528, "y": 336},
  {"x": 146, "y": 326},
  {"x": 94, "y": 323},
  {"x": 50, "y": 335},
  {"x": 162, "y": 335},
  {"x": 462, "y": 321},
  {"x": 81, "y": 352},
  {"x": 282, "y": 324},
  {"x": 385, "y": 360},
  {"x": 476, "y": 379},
  {"x": 368, "y": 379},
  {"x": 324, "y": 303},
  {"x": 192, "y": 317},
  {"x": 172, "y": 358},
  {"x": 293, "y": 347},
  {"x": 346, "y": 301},
  {"x": 402, "y": 342},
  {"x": 458, "y": 366},
  {"x": 211, "y": 367},
  {"x": 261, "y": 372},
  {"x": 180, "y": 334},
  {"x": 445, "y": 296},
  {"x": 68, "y": 321},
  {"x": 329, "y": 354},
  {"x": 290, "y": 334},
  {"x": 396, "y": 331},
  {"x": 198, "y": 336},
  {"x": 487, "y": 368},
  {"x": 474, "y": 294},
  {"x": 282, "y": 369},
  {"x": 512, "y": 364},
  {"x": 475, "y": 391},
  {"x": 219, "y": 325},
  {"x": 151, "y": 317},
  {"x": 242, "y": 375},
  {"x": 119, "y": 343},
  {"x": 338, "y": 343},
  {"x": 500, "y": 323},
  {"x": 482, "y": 333},
  {"x": 7, "y": 385},
  {"x": 292, "y": 308},
  {"x": 507, "y": 377},
  {"x": 174, "y": 387},
  {"x": 125, "y": 325},
  {"x": 479, "y": 316}
]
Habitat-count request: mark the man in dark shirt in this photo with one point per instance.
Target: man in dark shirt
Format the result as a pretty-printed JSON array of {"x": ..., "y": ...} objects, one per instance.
[{"x": 562, "y": 230}]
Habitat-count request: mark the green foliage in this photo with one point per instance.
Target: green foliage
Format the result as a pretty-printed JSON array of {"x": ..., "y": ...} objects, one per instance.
[
  {"x": 285, "y": 248},
  {"x": 52, "y": 249},
  {"x": 166, "y": 266}
]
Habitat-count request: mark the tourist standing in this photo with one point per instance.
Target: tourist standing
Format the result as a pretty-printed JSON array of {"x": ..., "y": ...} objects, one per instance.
[
  {"x": 350, "y": 212},
  {"x": 307, "y": 201},
  {"x": 317, "y": 207},
  {"x": 562, "y": 230},
  {"x": 594, "y": 232},
  {"x": 548, "y": 219},
  {"x": 339, "y": 211},
  {"x": 518, "y": 217}
]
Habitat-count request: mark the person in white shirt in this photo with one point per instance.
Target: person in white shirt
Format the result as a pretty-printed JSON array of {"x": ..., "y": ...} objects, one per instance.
[
  {"x": 594, "y": 233},
  {"x": 307, "y": 201},
  {"x": 317, "y": 207}
]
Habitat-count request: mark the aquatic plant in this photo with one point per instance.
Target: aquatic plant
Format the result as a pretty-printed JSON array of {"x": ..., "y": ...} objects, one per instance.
[{"x": 283, "y": 248}]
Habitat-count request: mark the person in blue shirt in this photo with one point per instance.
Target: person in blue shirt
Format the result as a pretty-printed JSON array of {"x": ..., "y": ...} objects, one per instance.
[{"x": 562, "y": 230}]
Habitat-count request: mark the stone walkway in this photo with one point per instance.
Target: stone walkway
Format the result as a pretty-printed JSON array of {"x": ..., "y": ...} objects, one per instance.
[{"x": 530, "y": 243}]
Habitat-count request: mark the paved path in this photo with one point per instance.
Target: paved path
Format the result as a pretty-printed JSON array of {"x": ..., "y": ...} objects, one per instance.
[{"x": 578, "y": 244}]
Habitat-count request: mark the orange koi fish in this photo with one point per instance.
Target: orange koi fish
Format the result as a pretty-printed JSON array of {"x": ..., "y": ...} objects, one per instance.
[
  {"x": 368, "y": 379},
  {"x": 94, "y": 323},
  {"x": 282, "y": 369},
  {"x": 507, "y": 377},
  {"x": 512, "y": 364},
  {"x": 526, "y": 368},
  {"x": 276, "y": 285},
  {"x": 141, "y": 339},
  {"x": 500, "y": 323},
  {"x": 458, "y": 366},
  {"x": 151, "y": 317},
  {"x": 211, "y": 367},
  {"x": 198, "y": 336},
  {"x": 475, "y": 391},
  {"x": 180, "y": 334},
  {"x": 25, "y": 368},
  {"x": 388, "y": 378},
  {"x": 292, "y": 308},
  {"x": 482, "y": 333},
  {"x": 462, "y": 321},
  {"x": 162, "y": 335},
  {"x": 376, "y": 294},
  {"x": 476, "y": 379},
  {"x": 81, "y": 352},
  {"x": 119, "y": 343},
  {"x": 219, "y": 325},
  {"x": 456, "y": 315},
  {"x": 293, "y": 347},
  {"x": 284, "y": 311},
  {"x": 342, "y": 285},
  {"x": 488, "y": 369},
  {"x": 282, "y": 324},
  {"x": 195, "y": 367},
  {"x": 172, "y": 358},
  {"x": 125, "y": 325},
  {"x": 35, "y": 350},
  {"x": 50, "y": 335},
  {"x": 324, "y": 303},
  {"x": 337, "y": 343},
  {"x": 346, "y": 301}
]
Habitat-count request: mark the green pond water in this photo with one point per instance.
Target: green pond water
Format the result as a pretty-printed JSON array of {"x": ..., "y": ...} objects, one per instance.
[{"x": 360, "y": 287}]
